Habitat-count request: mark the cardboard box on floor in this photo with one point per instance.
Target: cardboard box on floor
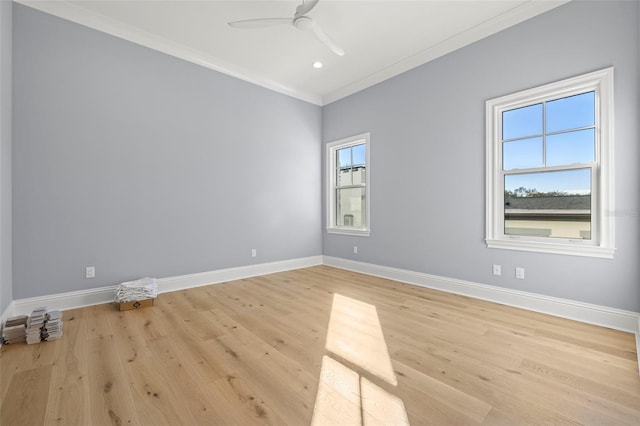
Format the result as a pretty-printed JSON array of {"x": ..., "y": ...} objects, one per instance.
[{"x": 135, "y": 304}]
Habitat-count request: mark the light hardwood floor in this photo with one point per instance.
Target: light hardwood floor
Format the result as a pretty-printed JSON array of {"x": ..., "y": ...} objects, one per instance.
[{"x": 320, "y": 345}]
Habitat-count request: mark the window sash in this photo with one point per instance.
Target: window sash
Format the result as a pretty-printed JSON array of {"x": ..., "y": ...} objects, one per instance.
[
  {"x": 593, "y": 205},
  {"x": 545, "y": 168}
]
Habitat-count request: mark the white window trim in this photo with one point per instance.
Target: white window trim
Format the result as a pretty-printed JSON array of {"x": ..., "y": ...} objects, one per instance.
[
  {"x": 331, "y": 148},
  {"x": 602, "y": 193}
]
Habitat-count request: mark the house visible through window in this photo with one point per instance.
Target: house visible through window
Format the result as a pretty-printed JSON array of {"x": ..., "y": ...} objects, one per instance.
[
  {"x": 549, "y": 166},
  {"x": 541, "y": 200},
  {"x": 347, "y": 186}
]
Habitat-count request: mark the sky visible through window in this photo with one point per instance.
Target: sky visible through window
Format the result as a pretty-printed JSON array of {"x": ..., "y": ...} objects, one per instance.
[
  {"x": 554, "y": 133},
  {"x": 350, "y": 185},
  {"x": 345, "y": 156}
]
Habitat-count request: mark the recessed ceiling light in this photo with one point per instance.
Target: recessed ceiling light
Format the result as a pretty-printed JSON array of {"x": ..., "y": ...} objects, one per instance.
[{"x": 317, "y": 65}]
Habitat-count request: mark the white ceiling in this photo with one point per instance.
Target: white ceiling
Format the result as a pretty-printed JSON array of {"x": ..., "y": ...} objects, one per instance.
[{"x": 381, "y": 38}]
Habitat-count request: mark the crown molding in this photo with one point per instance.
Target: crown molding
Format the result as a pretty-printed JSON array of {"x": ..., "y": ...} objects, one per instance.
[
  {"x": 79, "y": 15},
  {"x": 508, "y": 19}
]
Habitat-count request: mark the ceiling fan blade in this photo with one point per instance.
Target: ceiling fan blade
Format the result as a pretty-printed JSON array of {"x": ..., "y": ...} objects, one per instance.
[
  {"x": 326, "y": 40},
  {"x": 306, "y": 7},
  {"x": 260, "y": 23}
]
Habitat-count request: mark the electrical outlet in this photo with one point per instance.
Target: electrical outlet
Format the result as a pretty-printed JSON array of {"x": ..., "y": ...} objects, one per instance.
[
  {"x": 90, "y": 272},
  {"x": 254, "y": 252},
  {"x": 355, "y": 249},
  {"x": 520, "y": 273},
  {"x": 497, "y": 270}
]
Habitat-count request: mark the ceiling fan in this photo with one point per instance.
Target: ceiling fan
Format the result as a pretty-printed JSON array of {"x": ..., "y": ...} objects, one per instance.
[{"x": 300, "y": 20}]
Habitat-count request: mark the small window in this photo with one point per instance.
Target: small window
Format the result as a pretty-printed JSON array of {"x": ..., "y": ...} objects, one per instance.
[
  {"x": 549, "y": 165},
  {"x": 348, "y": 186}
]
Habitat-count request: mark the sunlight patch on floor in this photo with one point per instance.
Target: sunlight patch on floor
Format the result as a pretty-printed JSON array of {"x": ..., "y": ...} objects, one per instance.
[
  {"x": 355, "y": 334},
  {"x": 379, "y": 407},
  {"x": 338, "y": 398},
  {"x": 344, "y": 397}
]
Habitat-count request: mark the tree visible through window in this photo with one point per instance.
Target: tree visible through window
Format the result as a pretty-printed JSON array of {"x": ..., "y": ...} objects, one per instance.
[{"x": 539, "y": 199}]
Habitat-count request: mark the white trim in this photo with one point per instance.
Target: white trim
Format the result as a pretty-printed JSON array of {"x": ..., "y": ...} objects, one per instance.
[
  {"x": 231, "y": 274},
  {"x": 73, "y": 13},
  {"x": 584, "y": 250},
  {"x": 602, "y": 174},
  {"x": 96, "y": 296},
  {"x": 77, "y": 14},
  {"x": 8, "y": 312},
  {"x": 585, "y": 312},
  {"x": 513, "y": 17},
  {"x": 68, "y": 300},
  {"x": 349, "y": 231},
  {"x": 330, "y": 197},
  {"x": 593, "y": 314},
  {"x": 589, "y": 313}
]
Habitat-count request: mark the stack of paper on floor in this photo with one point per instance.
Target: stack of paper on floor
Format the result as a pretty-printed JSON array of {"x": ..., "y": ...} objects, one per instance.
[
  {"x": 36, "y": 322},
  {"x": 52, "y": 329},
  {"x": 145, "y": 288},
  {"x": 15, "y": 329}
]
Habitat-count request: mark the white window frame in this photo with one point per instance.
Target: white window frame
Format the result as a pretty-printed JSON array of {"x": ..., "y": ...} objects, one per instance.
[
  {"x": 602, "y": 202},
  {"x": 331, "y": 203}
]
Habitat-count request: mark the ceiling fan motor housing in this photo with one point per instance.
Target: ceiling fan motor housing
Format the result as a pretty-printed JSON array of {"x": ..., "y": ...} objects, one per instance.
[{"x": 303, "y": 23}]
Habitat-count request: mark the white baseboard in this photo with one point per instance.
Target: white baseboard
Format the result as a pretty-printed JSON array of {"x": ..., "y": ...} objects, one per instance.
[
  {"x": 223, "y": 275},
  {"x": 593, "y": 314},
  {"x": 96, "y": 296},
  {"x": 8, "y": 312},
  {"x": 64, "y": 301}
]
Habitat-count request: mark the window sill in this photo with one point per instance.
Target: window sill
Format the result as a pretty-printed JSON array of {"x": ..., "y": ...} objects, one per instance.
[
  {"x": 349, "y": 231},
  {"x": 553, "y": 248}
]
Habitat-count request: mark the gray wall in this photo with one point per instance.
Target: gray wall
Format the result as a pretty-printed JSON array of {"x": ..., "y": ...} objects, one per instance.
[
  {"x": 5, "y": 154},
  {"x": 428, "y": 155},
  {"x": 141, "y": 164}
]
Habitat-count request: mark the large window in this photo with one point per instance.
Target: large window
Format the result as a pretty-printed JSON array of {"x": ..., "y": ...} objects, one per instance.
[
  {"x": 348, "y": 186},
  {"x": 549, "y": 168}
]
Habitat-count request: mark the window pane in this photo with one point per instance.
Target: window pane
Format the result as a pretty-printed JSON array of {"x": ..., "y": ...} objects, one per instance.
[
  {"x": 522, "y": 122},
  {"x": 343, "y": 177},
  {"x": 571, "y": 113},
  {"x": 548, "y": 204},
  {"x": 359, "y": 154},
  {"x": 359, "y": 175},
  {"x": 351, "y": 207},
  {"x": 571, "y": 147},
  {"x": 343, "y": 157},
  {"x": 522, "y": 154}
]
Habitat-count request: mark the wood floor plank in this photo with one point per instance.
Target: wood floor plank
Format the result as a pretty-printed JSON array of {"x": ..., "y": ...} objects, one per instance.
[
  {"x": 597, "y": 365},
  {"x": 252, "y": 352},
  {"x": 468, "y": 409},
  {"x": 25, "y": 403},
  {"x": 69, "y": 379}
]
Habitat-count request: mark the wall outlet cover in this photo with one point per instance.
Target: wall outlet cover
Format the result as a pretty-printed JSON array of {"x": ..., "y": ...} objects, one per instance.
[
  {"x": 90, "y": 272},
  {"x": 497, "y": 270}
]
